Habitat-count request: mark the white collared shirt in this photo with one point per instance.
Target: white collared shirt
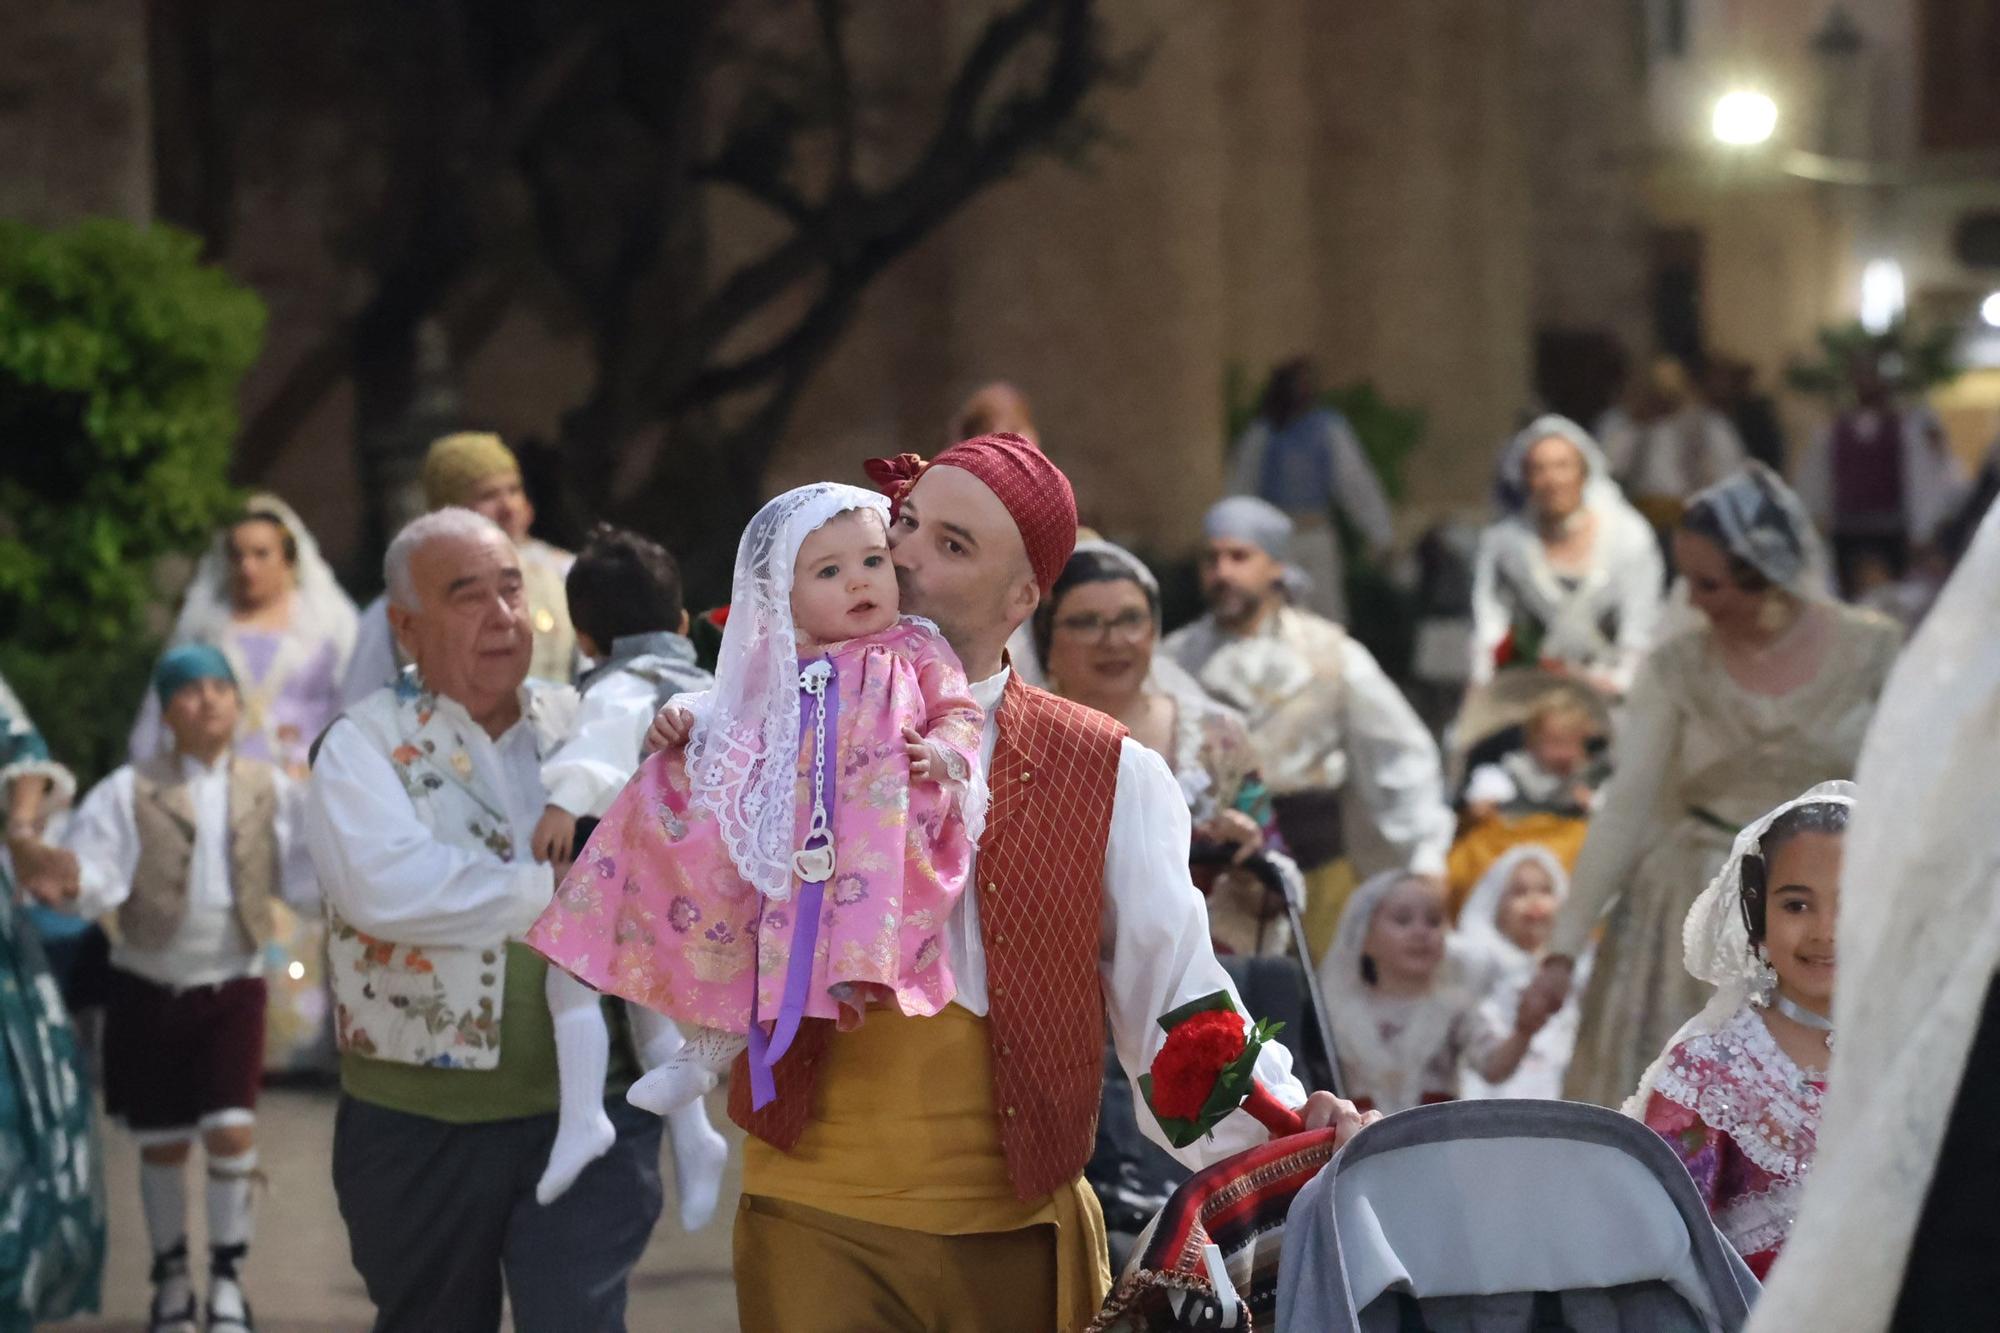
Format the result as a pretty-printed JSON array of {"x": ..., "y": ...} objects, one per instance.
[
  {"x": 388, "y": 873},
  {"x": 1154, "y": 951},
  {"x": 210, "y": 945}
]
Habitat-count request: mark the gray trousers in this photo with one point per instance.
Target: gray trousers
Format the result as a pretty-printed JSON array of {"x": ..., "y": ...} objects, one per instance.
[{"x": 439, "y": 1216}]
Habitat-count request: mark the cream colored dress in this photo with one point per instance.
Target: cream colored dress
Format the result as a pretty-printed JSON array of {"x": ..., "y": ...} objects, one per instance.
[{"x": 1699, "y": 757}]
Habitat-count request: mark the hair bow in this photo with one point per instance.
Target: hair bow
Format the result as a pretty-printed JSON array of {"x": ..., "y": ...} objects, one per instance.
[{"x": 894, "y": 477}]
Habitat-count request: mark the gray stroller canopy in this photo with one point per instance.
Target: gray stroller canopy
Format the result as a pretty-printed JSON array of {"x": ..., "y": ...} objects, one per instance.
[{"x": 1506, "y": 1216}]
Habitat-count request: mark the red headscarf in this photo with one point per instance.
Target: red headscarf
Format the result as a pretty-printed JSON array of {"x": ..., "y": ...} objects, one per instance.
[{"x": 1035, "y": 492}]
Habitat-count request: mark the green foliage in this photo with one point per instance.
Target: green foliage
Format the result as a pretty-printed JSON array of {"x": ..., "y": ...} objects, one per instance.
[
  {"x": 120, "y": 355},
  {"x": 1914, "y": 361}
]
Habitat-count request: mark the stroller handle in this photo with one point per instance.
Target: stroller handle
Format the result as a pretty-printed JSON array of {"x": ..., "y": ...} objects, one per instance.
[{"x": 1262, "y": 866}]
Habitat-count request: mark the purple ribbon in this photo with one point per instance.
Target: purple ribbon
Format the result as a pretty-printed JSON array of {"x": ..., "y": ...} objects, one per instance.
[{"x": 766, "y": 1051}]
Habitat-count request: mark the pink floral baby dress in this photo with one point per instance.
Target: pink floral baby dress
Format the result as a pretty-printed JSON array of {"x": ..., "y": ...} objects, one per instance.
[{"x": 655, "y": 910}]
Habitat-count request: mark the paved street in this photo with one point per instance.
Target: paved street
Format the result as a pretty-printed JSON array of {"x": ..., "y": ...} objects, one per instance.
[{"x": 300, "y": 1280}]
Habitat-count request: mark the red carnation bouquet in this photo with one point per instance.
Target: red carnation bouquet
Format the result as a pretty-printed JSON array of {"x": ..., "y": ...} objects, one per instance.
[{"x": 1206, "y": 1070}]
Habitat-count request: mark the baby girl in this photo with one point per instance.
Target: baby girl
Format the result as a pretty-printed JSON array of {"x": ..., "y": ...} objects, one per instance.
[{"x": 799, "y": 855}]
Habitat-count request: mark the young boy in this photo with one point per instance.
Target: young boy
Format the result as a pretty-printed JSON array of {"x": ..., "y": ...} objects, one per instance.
[
  {"x": 625, "y": 602},
  {"x": 188, "y": 851}
]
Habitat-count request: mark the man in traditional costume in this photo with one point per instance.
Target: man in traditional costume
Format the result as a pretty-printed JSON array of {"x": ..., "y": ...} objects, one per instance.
[
  {"x": 420, "y": 817},
  {"x": 1342, "y": 749},
  {"x": 927, "y": 1173},
  {"x": 476, "y": 470}
]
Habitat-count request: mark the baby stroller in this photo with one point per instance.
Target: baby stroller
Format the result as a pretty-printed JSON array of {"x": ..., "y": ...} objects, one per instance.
[
  {"x": 1550, "y": 1217},
  {"x": 1465, "y": 1217}
]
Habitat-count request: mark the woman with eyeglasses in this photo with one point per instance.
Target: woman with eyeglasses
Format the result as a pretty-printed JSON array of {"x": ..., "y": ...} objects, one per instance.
[{"x": 1095, "y": 634}]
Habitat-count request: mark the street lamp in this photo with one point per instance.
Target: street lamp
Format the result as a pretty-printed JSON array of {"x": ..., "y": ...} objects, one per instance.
[{"x": 1744, "y": 119}]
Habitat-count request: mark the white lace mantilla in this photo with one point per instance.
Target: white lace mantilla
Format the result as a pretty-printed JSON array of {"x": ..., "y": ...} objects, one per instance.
[{"x": 1741, "y": 1083}]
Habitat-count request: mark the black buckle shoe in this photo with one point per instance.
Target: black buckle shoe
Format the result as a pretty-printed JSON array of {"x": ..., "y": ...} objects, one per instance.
[
  {"x": 162, "y": 1317},
  {"x": 222, "y": 1267}
]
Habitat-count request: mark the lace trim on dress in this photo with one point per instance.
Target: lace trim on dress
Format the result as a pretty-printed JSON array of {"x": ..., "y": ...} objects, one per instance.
[
  {"x": 1741, "y": 1083},
  {"x": 1754, "y": 1223}
]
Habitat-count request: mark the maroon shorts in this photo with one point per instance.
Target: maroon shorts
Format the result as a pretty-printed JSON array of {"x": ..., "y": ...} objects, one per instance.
[{"x": 173, "y": 1057}]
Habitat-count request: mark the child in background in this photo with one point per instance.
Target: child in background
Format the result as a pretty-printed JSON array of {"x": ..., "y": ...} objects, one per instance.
[
  {"x": 1404, "y": 1019},
  {"x": 795, "y": 852},
  {"x": 1552, "y": 773},
  {"x": 190, "y": 850},
  {"x": 1541, "y": 793},
  {"x": 625, "y": 603},
  {"x": 1502, "y": 931}
]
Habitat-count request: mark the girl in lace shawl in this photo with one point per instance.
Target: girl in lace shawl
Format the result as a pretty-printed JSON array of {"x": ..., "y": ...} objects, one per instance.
[
  {"x": 1406, "y": 1015},
  {"x": 1737, "y": 1092},
  {"x": 799, "y": 855}
]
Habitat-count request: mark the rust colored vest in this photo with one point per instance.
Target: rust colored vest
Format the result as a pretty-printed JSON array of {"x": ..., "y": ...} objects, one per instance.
[
  {"x": 165, "y": 817},
  {"x": 1040, "y": 880}
]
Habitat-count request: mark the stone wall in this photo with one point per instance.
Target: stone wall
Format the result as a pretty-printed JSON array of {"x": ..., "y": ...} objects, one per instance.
[
  {"x": 1287, "y": 178},
  {"x": 75, "y": 131}
]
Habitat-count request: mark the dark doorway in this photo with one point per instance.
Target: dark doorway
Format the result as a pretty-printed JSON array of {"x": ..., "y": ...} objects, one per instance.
[
  {"x": 1578, "y": 372},
  {"x": 1676, "y": 291}
]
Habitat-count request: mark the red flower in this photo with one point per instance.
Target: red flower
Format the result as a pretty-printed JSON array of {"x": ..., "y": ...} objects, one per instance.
[
  {"x": 1196, "y": 1052},
  {"x": 719, "y": 617}
]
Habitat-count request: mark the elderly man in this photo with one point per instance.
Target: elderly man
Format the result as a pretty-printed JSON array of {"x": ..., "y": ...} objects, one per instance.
[
  {"x": 927, "y": 1173},
  {"x": 423, "y": 803},
  {"x": 476, "y": 470},
  {"x": 1329, "y": 723}
]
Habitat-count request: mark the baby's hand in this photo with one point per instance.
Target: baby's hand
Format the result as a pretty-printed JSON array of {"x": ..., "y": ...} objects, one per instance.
[
  {"x": 670, "y": 729},
  {"x": 924, "y": 766},
  {"x": 554, "y": 832}
]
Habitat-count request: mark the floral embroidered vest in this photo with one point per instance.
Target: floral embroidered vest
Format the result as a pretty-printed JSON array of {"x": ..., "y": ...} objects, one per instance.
[
  {"x": 436, "y": 1005},
  {"x": 1040, "y": 880},
  {"x": 164, "y": 815}
]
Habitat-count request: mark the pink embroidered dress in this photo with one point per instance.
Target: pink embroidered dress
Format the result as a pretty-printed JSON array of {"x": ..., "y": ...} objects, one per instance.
[
  {"x": 657, "y": 912},
  {"x": 1745, "y": 1120}
]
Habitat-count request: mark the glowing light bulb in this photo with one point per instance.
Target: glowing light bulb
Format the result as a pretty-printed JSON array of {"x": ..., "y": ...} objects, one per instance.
[
  {"x": 1989, "y": 310},
  {"x": 1744, "y": 118},
  {"x": 297, "y": 970},
  {"x": 1881, "y": 294}
]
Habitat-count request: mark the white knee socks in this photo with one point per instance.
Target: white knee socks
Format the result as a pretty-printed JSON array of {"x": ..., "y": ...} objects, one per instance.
[
  {"x": 700, "y": 1154},
  {"x": 584, "y": 1132},
  {"x": 689, "y": 1073},
  {"x": 230, "y": 1182},
  {"x": 163, "y": 1195}
]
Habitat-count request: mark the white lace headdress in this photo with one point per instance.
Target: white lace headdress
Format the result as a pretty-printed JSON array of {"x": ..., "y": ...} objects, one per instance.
[
  {"x": 321, "y": 606},
  {"x": 1715, "y": 939},
  {"x": 1598, "y": 487},
  {"x": 742, "y": 757},
  {"x": 1765, "y": 525},
  {"x": 1350, "y": 999},
  {"x": 1479, "y": 930}
]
